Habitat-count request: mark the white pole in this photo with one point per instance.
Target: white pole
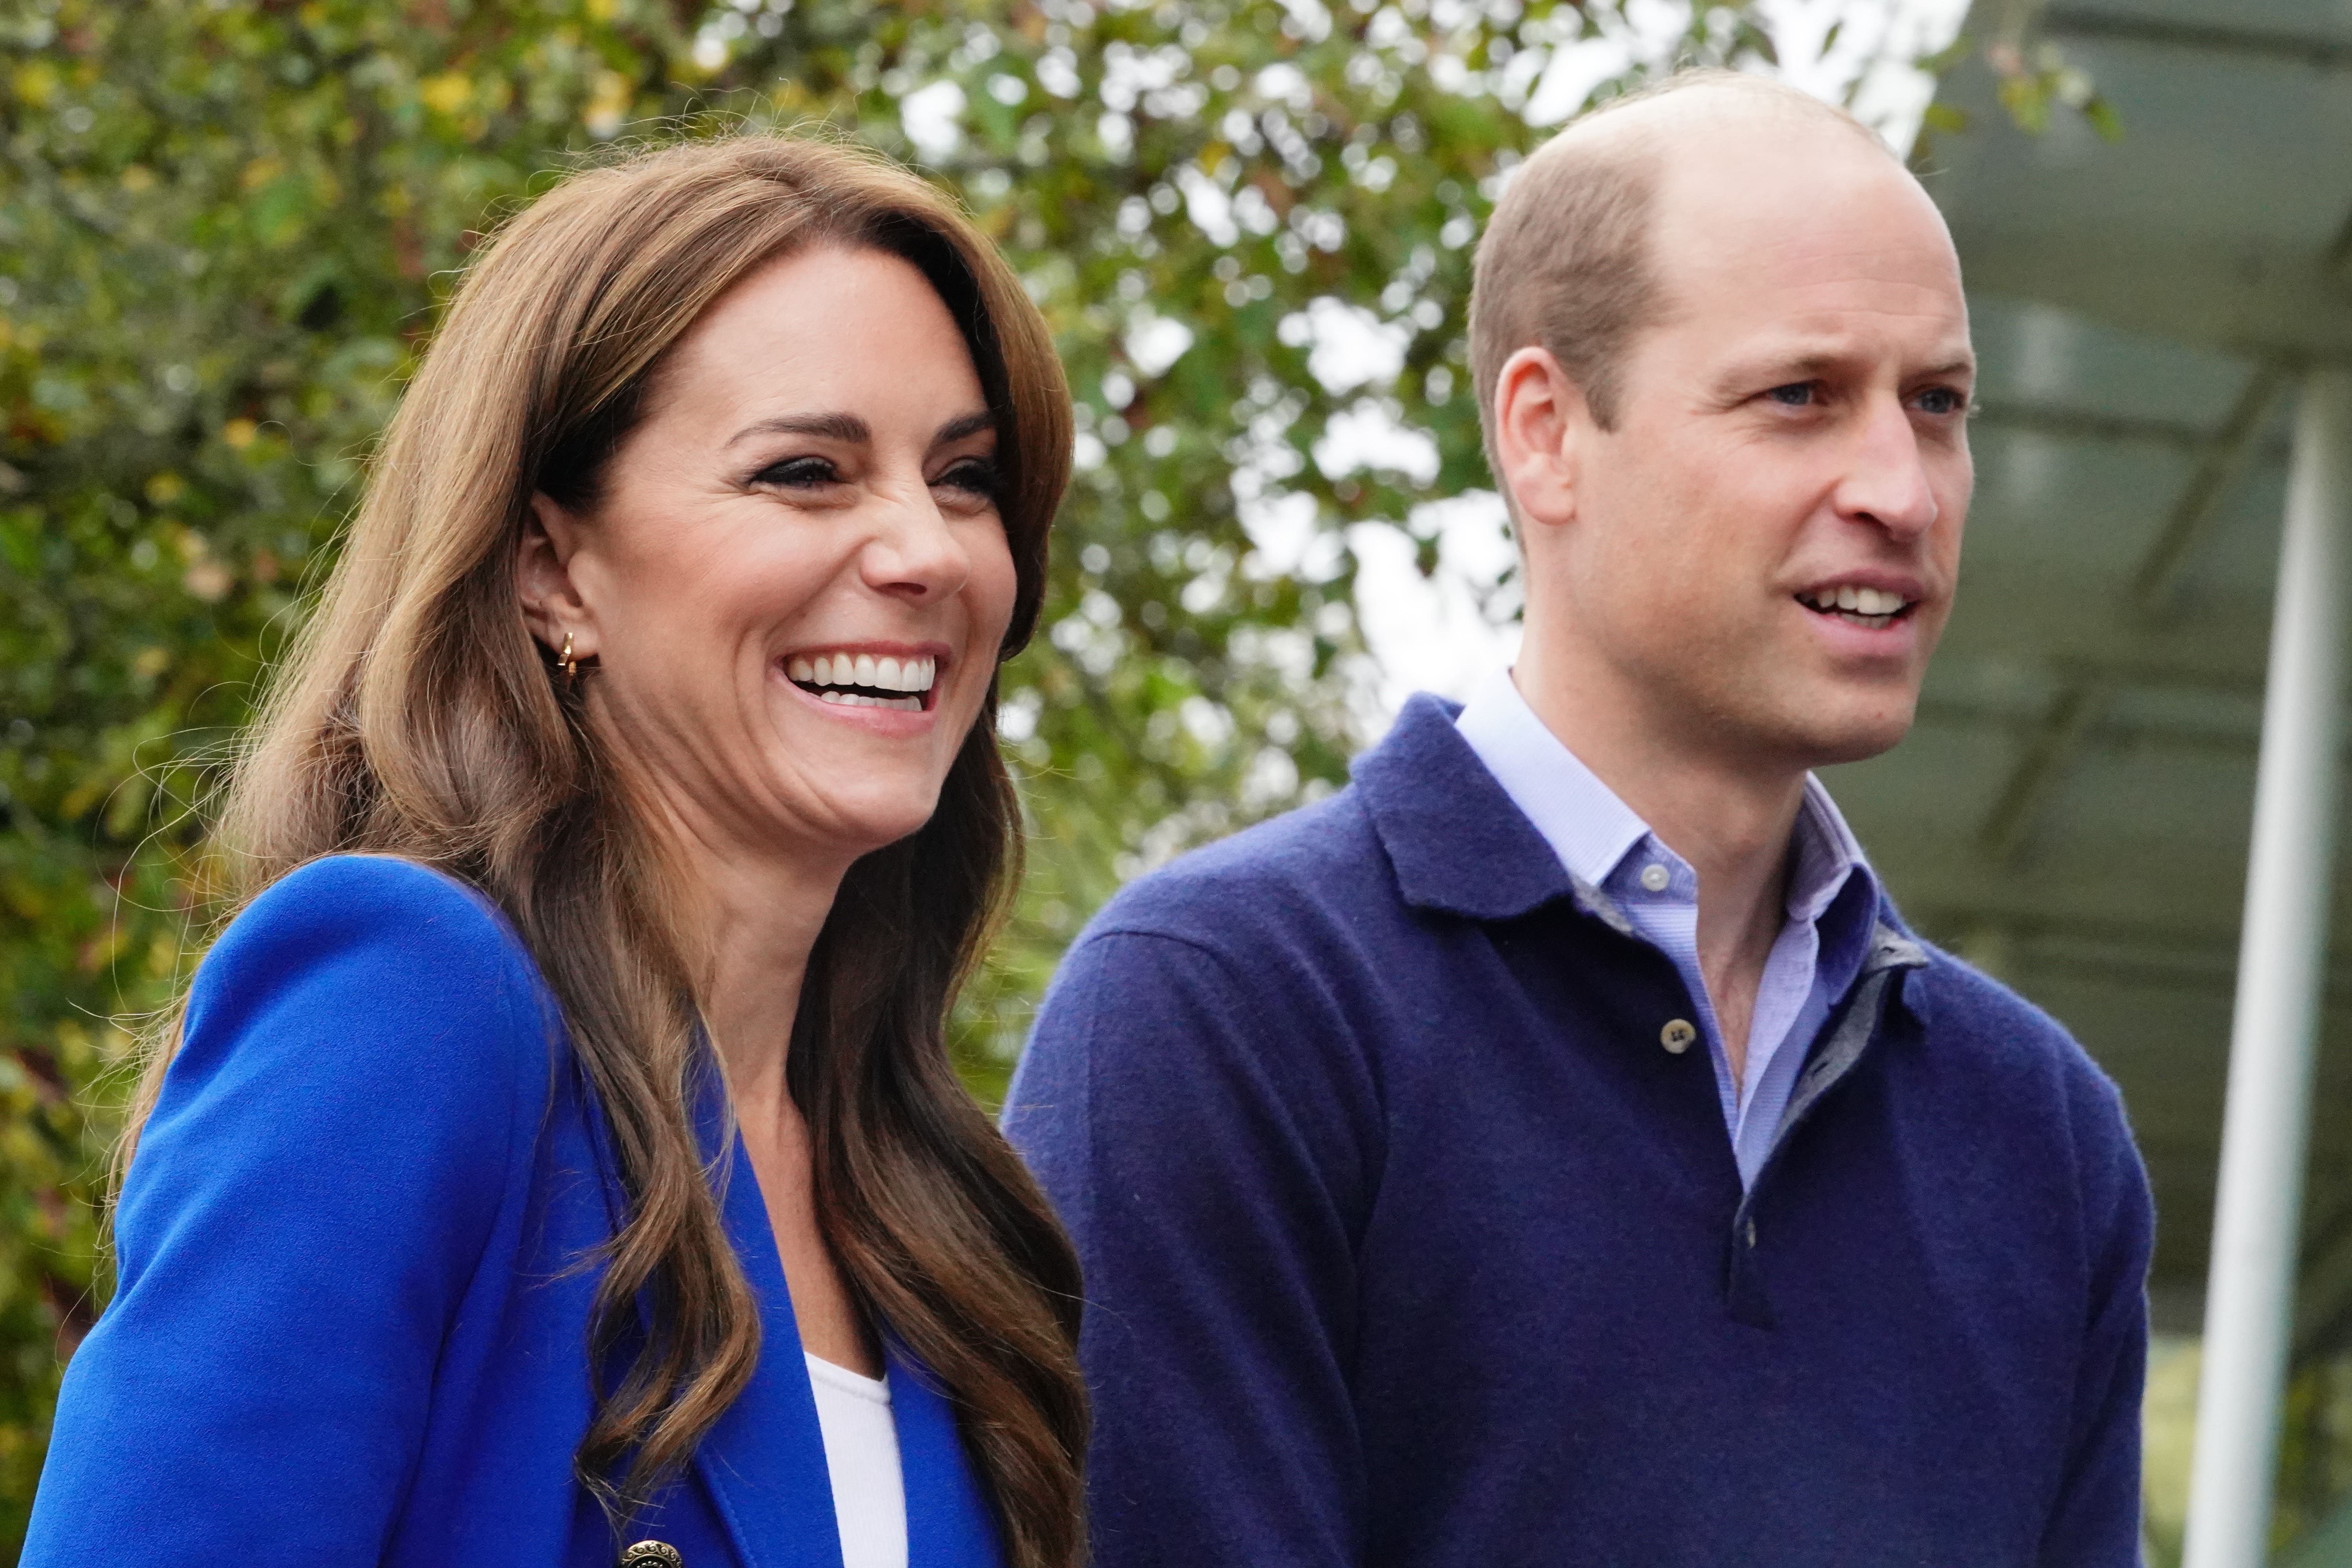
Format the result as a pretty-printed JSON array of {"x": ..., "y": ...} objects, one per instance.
[{"x": 2282, "y": 967}]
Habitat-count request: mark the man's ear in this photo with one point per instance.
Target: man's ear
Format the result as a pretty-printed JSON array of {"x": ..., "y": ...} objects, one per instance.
[
  {"x": 551, "y": 605},
  {"x": 1538, "y": 412}
]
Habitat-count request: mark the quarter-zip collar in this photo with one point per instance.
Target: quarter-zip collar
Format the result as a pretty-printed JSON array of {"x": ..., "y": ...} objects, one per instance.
[{"x": 1457, "y": 844}]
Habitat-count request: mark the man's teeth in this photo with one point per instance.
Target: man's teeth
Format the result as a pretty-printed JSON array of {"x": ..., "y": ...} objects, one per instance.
[
  {"x": 1869, "y": 606},
  {"x": 886, "y": 682}
]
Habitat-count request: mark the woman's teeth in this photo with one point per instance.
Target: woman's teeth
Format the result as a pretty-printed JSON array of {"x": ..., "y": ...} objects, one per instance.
[
  {"x": 1870, "y": 607},
  {"x": 862, "y": 680}
]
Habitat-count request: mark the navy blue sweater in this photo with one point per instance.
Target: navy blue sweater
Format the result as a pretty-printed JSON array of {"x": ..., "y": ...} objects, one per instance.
[{"x": 1407, "y": 1241}]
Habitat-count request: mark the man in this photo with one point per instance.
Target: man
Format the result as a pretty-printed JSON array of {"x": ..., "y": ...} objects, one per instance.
[{"x": 1553, "y": 1149}]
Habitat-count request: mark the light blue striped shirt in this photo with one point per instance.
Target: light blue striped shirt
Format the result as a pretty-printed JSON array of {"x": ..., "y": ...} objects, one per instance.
[{"x": 1832, "y": 904}]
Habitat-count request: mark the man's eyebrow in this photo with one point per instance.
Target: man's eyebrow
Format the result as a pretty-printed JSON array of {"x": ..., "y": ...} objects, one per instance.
[
  {"x": 1804, "y": 366},
  {"x": 1778, "y": 367},
  {"x": 832, "y": 426}
]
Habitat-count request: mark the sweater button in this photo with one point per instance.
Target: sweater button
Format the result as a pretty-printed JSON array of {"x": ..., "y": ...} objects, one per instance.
[
  {"x": 652, "y": 1555},
  {"x": 1677, "y": 1036}
]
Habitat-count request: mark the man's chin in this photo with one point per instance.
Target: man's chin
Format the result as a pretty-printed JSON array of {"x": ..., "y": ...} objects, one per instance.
[
  {"x": 1853, "y": 736},
  {"x": 1799, "y": 725}
]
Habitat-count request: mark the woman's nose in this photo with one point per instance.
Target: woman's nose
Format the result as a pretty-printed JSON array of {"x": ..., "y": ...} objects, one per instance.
[{"x": 914, "y": 552}]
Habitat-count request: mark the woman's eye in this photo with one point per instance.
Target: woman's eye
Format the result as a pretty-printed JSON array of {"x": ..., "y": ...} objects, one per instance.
[
  {"x": 975, "y": 476},
  {"x": 1796, "y": 394},
  {"x": 797, "y": 473}
]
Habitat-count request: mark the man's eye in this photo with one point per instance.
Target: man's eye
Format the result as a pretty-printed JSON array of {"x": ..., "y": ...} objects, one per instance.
[
  {"x": 1796, "y": 394},
  {"x": 797, "y": 473},
  {"x": 1942, "y": 400}
]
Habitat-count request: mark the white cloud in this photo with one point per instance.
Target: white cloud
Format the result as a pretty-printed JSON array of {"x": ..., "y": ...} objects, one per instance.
[
  {"x": 1442, "y": 633},
  {"x": 1353, "y": 347},
  {"x": 1285, "y": 538},
  {"x": 932, "y": 119},
  {"x": 1205, "y": 202},
  {"x": 1155, "y": 341},
  {"x": 1871, "y": 57},
  {"x": 1370, "y": 435},
  {"x": 1571, "y": 74}
]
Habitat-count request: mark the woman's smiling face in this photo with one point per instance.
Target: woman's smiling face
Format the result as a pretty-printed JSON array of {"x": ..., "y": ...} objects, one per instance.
[{"x": 794, "y": 579}]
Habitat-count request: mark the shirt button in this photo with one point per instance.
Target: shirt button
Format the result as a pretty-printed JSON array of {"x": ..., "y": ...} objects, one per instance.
[
  {"x": 1677, "y": 1036},
  {"x": 1655, "y": 878},
  {"x": 652, "y": 1555}
]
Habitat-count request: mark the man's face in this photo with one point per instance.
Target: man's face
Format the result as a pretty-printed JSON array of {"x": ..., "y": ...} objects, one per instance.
[{"x": 1765, "y": 549}]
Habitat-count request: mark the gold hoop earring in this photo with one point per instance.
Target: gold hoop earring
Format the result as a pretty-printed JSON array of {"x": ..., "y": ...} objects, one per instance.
[{"x": 570, "y": 665}]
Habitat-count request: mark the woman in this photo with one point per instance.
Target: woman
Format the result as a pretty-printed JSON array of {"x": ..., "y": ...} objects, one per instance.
[{"x": 560, "y": 1154}]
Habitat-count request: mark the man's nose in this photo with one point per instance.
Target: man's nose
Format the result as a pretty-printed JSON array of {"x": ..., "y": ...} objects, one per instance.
[
  {"x": 914, "y": 554},
  {"x": 1888, "y": 483}
]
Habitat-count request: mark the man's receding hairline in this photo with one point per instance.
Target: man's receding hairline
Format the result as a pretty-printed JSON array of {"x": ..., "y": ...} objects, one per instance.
[
  {"x": 1639, "y": 131},
  {"x": 1649, "y": 116},
  {"x": 1569, "y": 261},
  {"x": 1650, "y": 127}
]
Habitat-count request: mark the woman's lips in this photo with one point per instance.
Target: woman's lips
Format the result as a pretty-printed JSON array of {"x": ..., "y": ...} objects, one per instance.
[{"x": 894, "y": 677}]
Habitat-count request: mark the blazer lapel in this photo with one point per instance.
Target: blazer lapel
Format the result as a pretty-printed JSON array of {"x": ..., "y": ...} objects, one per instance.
[
  {"x": 949, "y": 1524},
  {"x": 764, "y": 1459}
]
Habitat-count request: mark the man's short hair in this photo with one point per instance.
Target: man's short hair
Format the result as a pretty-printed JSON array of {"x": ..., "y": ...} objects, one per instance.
[{"x": 1565, "y": 264}]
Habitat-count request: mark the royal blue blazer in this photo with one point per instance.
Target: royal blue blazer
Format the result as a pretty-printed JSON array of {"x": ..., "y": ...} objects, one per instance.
[{"x": 357, "y": 1254}]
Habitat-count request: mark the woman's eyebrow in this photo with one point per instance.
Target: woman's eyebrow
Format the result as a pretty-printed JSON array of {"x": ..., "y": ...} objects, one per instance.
[
  {"x": 968, "y": 424},
  {"x": 847, "y": 427},
  {"x": 850, "y": 428}
]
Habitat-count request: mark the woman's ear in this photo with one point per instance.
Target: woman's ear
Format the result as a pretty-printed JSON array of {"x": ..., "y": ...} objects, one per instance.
[
  {"x": 1538, "y": 413},
  {"x": 551, "y": 605}
]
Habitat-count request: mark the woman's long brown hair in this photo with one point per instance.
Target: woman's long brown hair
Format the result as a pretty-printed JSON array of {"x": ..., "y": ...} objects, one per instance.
[{"x": 415, "y": 716}]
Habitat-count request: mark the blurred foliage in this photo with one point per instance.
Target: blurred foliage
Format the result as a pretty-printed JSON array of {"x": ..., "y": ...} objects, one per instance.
[
  {"x": 2032, "y": 83},
  {"x": 225, "y": 228},
  {"x": 2314, "y": 1454},
  {"x": 2315, "y": 1461}
]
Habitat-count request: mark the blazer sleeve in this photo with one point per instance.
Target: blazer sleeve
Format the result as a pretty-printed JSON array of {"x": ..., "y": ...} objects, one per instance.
[
  {"x": 1210, "y": 1170},
  {"x": 365, "y": 1061},
  {"x": 2094, "y": 1521}
]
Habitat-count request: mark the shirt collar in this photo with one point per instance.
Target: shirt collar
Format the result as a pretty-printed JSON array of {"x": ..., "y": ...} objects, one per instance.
[
  {"x": 1456, "y": 843},
  {"x": 1827, "y": 854},
  {"x": 1582, "y": 818},
  {"x": 1453, "y": 838},
  {"x": 1591, "y": 830}
]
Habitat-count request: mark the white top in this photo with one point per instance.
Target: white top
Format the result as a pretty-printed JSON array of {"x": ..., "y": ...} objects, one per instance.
[{"x": 861, "y": 1454}]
